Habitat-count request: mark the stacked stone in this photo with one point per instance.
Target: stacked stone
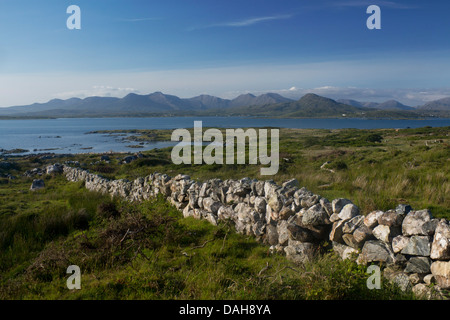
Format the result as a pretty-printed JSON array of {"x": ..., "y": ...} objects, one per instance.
[
  {"x": 287, "y": 218},
  {"x": 412, "y": 245}
]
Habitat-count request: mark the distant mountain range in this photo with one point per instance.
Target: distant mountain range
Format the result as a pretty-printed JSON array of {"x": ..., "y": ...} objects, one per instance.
[
  {"x": 269, "y": 104},
  {"x": 388, "y": 105},
  {"x": 441, "y": 104},
  {"x": 310, "y": 104},
  {"x": 137, "y": 104}
]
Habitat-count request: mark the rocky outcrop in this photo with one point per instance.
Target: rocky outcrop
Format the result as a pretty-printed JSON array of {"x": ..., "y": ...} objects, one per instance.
[
  {"x": 37, "y": 184},
  {"x": 298, "y": 223},
  {"x": 54, "y": 169}
]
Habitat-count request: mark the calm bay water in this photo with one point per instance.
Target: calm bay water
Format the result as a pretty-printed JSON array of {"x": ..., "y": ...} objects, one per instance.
[{"x": 69, "y": 135}]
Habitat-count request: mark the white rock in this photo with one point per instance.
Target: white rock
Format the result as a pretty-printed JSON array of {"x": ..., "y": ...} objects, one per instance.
[
  {"x": 429, "y": 279},
  {"x": 344, "y": 251},
  {"x": 283, "y": 232},
  {"x": 338, "y": 204},
  {"x": 421, "y": 291},
  {"x": 334, "y": 217},
  {"x": 390, "y": 218},
  {"x": 382, "y": 232},
  {"x": 371, "y": 220},
  {"x": 260, "y": 205},
  {"x": 352, "y": 224},
  {"x": 417, "y": 223},
  {"x": 362, "y": 234},
  {"x": 316, "y": 215},
  {"x": 349, "y": 211},
  {"x": 336, "y": 231},
  {"x": 440, "y": 248},
  {"x": 399, "y": 243},
  {"x": 211, "y": 205},
  {"x": 441, "y": 272}
]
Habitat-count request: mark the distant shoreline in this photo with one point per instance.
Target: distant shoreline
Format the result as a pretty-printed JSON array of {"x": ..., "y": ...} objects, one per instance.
[
  {"x": 219, "y": 116},
  {"x": 139, "y": 134}
]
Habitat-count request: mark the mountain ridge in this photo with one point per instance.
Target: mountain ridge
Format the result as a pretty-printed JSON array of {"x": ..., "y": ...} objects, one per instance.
[
  {"x": 387, "y": 105},
  {"x": 309, "y": 104},
  {"x": 440, "y": 104},
  {"x": 156, "y": 102},
  {"x": 267, "y": 104}
]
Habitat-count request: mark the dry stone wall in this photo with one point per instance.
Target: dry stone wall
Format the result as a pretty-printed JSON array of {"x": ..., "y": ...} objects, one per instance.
[{"x": 414, "y": 246}]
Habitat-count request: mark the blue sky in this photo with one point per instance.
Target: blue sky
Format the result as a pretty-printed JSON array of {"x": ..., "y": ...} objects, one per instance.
[{"x": 224, "y": 48}]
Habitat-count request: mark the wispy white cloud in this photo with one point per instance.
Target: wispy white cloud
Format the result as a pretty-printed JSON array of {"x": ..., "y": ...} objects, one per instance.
[
  {"x": 252, "y": 21},
  {"x": 245, "y": 22}
]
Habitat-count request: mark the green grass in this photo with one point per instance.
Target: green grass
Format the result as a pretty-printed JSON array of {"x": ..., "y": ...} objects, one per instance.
[
  {"x": 376, "y": 169},
  {"x": 168, "y": 257},
  {"x": 31, "y": 219},
  {"x": 150, "y": 252}
]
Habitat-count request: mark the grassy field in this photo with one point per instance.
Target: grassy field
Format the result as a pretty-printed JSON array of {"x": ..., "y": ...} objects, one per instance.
[
  {"x": 376, "y": 169},
  {"x": 148, "y": 251}
]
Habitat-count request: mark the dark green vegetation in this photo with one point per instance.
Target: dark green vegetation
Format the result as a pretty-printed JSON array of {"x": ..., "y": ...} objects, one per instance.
[
  {"x": 138, "y": 135},
  {"x": 148, "y": 251}
]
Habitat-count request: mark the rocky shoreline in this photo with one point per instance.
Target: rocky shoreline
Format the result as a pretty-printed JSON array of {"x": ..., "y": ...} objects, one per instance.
[{"x": 412, "y": 247}]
